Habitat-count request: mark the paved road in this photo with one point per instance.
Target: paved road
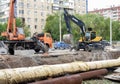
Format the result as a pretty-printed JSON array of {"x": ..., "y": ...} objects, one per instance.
[{"x": 51, "y": 52}]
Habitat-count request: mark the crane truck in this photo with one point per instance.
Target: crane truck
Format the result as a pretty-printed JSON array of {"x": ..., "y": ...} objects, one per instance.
[
  {"x": 16, "y": 38},
  {"x": 88, "y": 39}
]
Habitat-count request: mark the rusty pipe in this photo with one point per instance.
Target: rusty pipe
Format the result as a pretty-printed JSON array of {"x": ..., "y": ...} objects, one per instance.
[
  {"x": 93, "y": 74},
  {"x": 74, "y": 79}
]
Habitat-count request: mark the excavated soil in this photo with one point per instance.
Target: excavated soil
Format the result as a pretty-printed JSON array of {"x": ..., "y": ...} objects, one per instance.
[{"x": 31, "y": 59}]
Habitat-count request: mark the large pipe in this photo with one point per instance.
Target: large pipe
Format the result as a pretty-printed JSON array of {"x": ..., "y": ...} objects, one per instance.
[
  {"x": 17, "y": 75},
  {"x": 74, "y": 79},
  {"x": 93, "y": 74}
]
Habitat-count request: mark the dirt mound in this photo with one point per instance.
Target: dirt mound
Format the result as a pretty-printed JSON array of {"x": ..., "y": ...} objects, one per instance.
[{"x": 9, "y": 61}]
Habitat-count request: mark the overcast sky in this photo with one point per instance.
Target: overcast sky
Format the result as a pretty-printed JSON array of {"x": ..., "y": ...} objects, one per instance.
[{"x": 92, "y": 4}]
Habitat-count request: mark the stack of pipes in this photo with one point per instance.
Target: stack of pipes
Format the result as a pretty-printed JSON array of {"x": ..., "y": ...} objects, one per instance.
[{"x": 18, "y": 75}]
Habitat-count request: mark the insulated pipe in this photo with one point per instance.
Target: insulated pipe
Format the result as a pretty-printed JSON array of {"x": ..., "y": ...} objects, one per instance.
[
  {"x": 17, "y": 75},
  {"x": 74, "y": 79}
]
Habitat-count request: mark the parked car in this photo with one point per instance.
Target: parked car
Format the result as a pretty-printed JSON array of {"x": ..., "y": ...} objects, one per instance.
[{"x": 61, "y": 45}]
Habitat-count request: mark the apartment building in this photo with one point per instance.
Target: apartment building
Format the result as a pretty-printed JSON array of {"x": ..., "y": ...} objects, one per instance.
[
  {"x": 35, "y": 12},
  {"x": 113, "y": 12},
  {"x": 4, "y": 10},
  {"x": 75, "y": 6}
]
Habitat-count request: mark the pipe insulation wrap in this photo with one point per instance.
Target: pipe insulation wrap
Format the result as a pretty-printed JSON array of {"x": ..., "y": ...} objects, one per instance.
[{"x": 17, "y": 75}]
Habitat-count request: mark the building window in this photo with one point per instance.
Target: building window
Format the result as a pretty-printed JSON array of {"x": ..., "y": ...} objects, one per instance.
[
  {"x": 21, "y": 11},
  {"x": 47, "y": 7},
  {"x": 28, "y": 12},
  {"x": 28, "y": 5},
  {"x": 56, "y": 1},
  {"x": 35, "y": 6},
  {"x": 28, "y": 20},
  {"x": 35, "y": 26},
  {"x": 42, "y": 14},
  {"x": 21, "y": 4},
  {"x": 35, "y": 12},
  {"x": 42, "y": 7},
  {"x": 42, "y": 20},
  {"x": 36, "y": 19},
  {"x": 28, "y": 26}
]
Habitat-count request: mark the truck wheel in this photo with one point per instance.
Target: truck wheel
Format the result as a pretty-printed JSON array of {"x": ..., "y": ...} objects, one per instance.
[
  {"x": 20, "y": 48},
  {"x": 11, "y": 51},
  {"x": 77, "y": 47},
  {"x": 45, "y": 49},
  {"x": 37, "y": 50},
  {"x": 88, "y": 48}
]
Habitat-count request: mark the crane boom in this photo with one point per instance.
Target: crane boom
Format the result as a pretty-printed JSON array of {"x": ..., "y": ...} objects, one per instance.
[
  {"x": 11, "y": 26},
  {"x": 12, "y": 32}
]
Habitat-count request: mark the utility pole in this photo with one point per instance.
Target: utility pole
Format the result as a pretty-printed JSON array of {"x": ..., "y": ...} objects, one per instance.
[
  {"x": 60, "y": 7},
  {"x": 111, "y": 27},
  {"x": 60, "y": 25}
]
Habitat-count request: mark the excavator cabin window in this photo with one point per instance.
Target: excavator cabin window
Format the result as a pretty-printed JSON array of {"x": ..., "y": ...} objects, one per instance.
[
  {"x": 93, "y": 35},
  {"x": 90, "y": 35},
  {"x": 87, "y": 36}
]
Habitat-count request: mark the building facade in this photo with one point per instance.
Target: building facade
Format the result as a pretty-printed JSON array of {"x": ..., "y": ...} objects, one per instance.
[
  {"x": 4, "y": 10},
  {"x": 35, "y": 12},
  {"x": 76, "y": 6},
  {"x": 113, "y": 12}
]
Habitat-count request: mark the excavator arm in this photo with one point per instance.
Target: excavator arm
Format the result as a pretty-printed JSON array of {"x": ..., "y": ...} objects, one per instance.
[{"x": 69, "y": 17}]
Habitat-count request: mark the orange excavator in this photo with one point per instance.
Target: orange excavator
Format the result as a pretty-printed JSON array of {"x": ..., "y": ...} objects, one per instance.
[{"x": 16, "y": 38}]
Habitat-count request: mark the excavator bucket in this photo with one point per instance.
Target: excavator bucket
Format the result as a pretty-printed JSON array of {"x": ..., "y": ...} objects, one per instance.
[{"x": 68, "y": 38}]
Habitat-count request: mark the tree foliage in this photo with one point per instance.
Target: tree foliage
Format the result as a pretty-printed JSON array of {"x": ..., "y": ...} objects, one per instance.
[{"x": 99, "y": 24}]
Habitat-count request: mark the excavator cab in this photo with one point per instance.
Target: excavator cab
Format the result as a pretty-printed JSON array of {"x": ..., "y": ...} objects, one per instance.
[{"x": 90, "y": 35}]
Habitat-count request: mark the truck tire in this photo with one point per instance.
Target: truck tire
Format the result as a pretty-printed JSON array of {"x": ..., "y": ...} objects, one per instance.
[
  {"x": 88, "y": 48},
  {"x": 37, "y": 49},
  {"x": 11, "y": 51},
  {"x": 77, "y": 47},
  {"x": 45, "y": 49},
  {"x": 20, "y": 48}
]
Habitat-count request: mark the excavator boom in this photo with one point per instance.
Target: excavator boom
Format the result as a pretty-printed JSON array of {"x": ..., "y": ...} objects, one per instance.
[{"x": 69, "y": 17}]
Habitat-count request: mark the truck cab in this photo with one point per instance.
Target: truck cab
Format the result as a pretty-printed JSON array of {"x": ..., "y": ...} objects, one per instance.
[{"x": 46, "y": 38}]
